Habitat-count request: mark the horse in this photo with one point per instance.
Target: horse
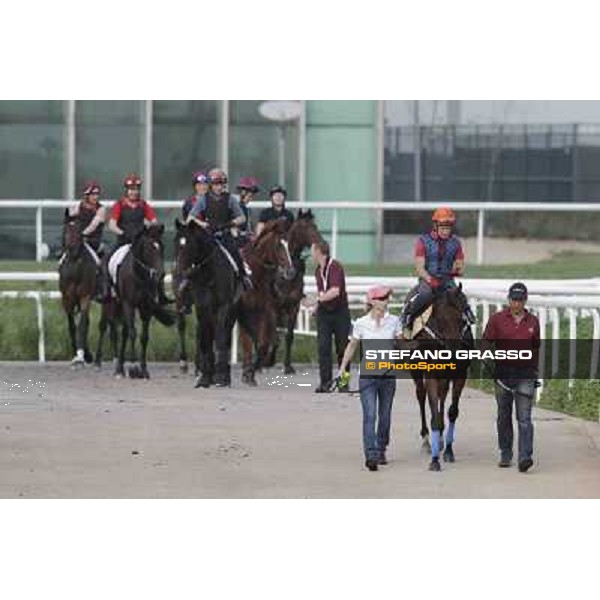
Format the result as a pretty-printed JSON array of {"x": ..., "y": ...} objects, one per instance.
[
  {"x": 447, "y": 328},
  {"x": 216, "y": 290},
  {"x": 270, "y": 261},
  {"x": 137, "y": 285},
  {"x": 289, "y": 293},
  {"x": 183, "y": 300},
  {"x": 77, "y": 284}
]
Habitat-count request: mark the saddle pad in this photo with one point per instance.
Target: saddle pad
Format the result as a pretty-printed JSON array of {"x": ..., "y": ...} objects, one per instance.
[
  {"x": 228, "y": 256},
  {"x": 418, "y": 323},
  {"x": 92, "y": 253},
  {"x": 115, "y": 260}
]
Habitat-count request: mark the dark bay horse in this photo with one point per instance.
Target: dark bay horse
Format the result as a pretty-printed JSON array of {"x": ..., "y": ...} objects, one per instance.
[
  {"x": 77, "y": 284},
  {"x": 216, "y": 290},
  {"x": 184, "y": 299},
  {"x": 270, "y": 261},
  {"x": 446, "y": 329},
  {"x": 289, "y": 293},
  {"x": 137, "y": 286}
]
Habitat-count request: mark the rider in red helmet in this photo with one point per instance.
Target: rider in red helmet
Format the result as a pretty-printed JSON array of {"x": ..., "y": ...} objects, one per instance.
[
  {"x": 200, "y": 184},
  {"x": 219, "y": 211},
  {"x": 127, "y": 219},
  {"x": 439, "y": 258}
]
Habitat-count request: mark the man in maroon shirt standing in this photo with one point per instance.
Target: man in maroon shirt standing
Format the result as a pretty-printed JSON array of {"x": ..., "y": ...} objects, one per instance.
[
  {"x": 333, "y": 314},
  {"x": 515, "y": 328}
]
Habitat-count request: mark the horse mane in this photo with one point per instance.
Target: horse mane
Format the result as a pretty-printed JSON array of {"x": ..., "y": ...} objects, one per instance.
[{"x": 278, "y": 226}]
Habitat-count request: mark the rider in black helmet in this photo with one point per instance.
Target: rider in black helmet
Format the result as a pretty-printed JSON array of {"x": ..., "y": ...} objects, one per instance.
[{"x": 277, "y": 210}]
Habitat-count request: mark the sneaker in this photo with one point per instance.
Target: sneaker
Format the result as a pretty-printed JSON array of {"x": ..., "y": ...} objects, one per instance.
[
  {"x": 382, "y": 459},
  {"x": 525, "y": 465},
  {"x": 371, "y": 464},
  {"x": 505, "y": 462},
  {"x": 323, "y": 388}
]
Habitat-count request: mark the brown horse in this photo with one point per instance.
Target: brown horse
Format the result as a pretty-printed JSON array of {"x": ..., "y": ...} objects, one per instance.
[
  {"x": 270, "y": 260},
  {"x": 77, "y": 284},
  {"x": 446, "y": 329},
  {"x": 289, "y": 293}
]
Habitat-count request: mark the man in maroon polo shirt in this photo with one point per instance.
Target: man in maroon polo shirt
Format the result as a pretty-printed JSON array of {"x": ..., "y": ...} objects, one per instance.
[
  {"x": 333, "y": 314},
  {"x": 515, "y": 328}
]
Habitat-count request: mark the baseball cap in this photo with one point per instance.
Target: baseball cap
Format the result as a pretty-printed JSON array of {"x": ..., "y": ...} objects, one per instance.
[{"x": 517, "y": 291}]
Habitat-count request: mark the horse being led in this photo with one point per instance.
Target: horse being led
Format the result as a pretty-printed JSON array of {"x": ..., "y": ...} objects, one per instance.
[
  {"x": 137, "y": 287},
  {"x": 270, "y": 261},
  {"x": 447, "y": 328},
  {"x": 289, "y": 293},
  {"x": 77, "y": 284},
  {"x": 216, "y": 290}
]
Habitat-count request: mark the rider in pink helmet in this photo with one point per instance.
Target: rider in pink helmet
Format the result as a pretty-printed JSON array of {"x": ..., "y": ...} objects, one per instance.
[{"x": 200, "y": 184}]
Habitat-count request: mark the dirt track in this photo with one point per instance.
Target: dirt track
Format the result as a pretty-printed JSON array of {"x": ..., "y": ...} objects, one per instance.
[{"x": 82, "y": 434}]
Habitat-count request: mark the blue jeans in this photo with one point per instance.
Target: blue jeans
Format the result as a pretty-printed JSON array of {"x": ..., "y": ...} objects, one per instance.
[
  {"x": 376, "y": 397},
  {"x": 522, "y": 395}
]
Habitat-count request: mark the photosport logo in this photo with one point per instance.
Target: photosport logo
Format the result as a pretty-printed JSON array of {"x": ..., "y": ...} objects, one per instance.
[{"x": 481, "y": 359}]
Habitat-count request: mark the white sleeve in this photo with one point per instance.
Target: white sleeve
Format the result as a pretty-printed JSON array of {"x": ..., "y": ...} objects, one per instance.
[{"x": 357, "y": 332}]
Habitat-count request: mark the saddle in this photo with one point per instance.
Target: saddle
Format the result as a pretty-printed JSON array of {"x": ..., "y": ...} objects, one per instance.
[
  {"x": 419, "y": 322},
  {"x": 115, "y": 262}
]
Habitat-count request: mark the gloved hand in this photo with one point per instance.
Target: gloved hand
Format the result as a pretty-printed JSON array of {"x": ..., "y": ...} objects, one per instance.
[{"x": 434, "y": 283}]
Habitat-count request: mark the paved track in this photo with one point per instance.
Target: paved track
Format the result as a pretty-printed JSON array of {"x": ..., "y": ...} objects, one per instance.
[{"x": 82, "y": 434}]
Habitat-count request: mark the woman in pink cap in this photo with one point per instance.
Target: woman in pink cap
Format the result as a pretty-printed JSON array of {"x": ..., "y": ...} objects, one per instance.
[{"x": 376, "y": 395}]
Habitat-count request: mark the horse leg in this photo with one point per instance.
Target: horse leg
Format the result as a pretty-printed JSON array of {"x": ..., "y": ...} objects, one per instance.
[
  {"x": 247, "y": 344},
  {"x": 292, "y": 316},
  {"x": 421, "y": 393},
  {"x": 83, "y": 329},
  {"x": 457, "y": 388},
  {"x": 144, "y": 342},
  {"x": 134, "y": 371},
  {"x": 183, "y": 366},
  {"x": 78, "y": 358},
  {"x": 204, "y": 342},
  {"x": 436, "y": 423},
  {"x": 266, "y": 330},
  {"x": 120, "y": 366},
  {"x": 223, "y": 344}
]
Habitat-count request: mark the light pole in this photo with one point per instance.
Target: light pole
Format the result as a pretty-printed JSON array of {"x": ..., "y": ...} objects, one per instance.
[{"x": 282, "y": 112}]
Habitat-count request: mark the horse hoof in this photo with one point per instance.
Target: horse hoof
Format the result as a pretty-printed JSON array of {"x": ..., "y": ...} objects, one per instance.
[
  {"x": 144, "y": 374},
  {"x": 289, "y": 370},
  {"x": 135, "y": 372},
  {"x": 203, "y": 382},
  {"x": 88, "y": 358},
  {"x": 449, "y": 454},
  {"x": 435, "y": 465},
  {"x": 183, "y": 367},
  {"x": 98, "y": 366}
]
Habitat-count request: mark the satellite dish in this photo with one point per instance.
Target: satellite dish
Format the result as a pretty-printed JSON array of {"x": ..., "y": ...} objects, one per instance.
[{"x": 280, "y": 110}]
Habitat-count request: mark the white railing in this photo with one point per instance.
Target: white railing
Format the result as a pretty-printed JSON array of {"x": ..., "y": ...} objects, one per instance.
[
  {"x": 575, "y": 298},
  {"x": 481, "y": 208}
]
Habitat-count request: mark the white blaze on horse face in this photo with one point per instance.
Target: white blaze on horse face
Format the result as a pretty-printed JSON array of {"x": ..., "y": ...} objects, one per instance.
[
  {"x": 156, "y": 245},
  {"x": 287, "y": 251},
  {"x": 182, "y": 241}
]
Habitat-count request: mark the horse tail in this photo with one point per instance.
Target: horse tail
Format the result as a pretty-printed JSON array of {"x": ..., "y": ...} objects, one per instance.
[{"x": 163, "y": 315}]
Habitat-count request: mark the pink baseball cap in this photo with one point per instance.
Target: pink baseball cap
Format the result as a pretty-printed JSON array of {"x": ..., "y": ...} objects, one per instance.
[{"x": 379, "y": 292}]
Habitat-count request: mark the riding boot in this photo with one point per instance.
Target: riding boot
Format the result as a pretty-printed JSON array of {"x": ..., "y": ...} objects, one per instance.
[{"x": 470, "y": 315}]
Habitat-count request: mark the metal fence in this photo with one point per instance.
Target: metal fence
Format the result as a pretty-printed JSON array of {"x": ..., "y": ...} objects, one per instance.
[{"x": 380, "y": 209}]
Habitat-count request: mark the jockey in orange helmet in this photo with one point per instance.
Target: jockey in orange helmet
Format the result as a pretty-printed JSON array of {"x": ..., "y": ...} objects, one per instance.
[{"x": 439, "y": 258}]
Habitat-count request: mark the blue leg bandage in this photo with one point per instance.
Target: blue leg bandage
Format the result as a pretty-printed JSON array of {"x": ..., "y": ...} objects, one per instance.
[
  {"x": 450, "y": 434},
  {"x": 435, "y": 443}
]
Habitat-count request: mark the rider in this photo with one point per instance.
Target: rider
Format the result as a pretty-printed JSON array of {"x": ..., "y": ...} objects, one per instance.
[
  {"x": 247, "y": 188},
  {"x": 218, "y": 211},
  {"x": 91, "y": 215},
  {"x": 439, "y": 258},
  {"x": 128, "y": 217},
  {"x": 200, "y": 183},
  {"x": 277, "y": 210}
]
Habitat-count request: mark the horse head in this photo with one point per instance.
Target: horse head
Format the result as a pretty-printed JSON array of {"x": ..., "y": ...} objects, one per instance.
[
  {"x": 148, "y": 253},
  {"x": 271, "y": 249},
  {"x": 448, "y": 311},
  {"x": 73, "y": 239},
  {"x": 303, "y": 233}
]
